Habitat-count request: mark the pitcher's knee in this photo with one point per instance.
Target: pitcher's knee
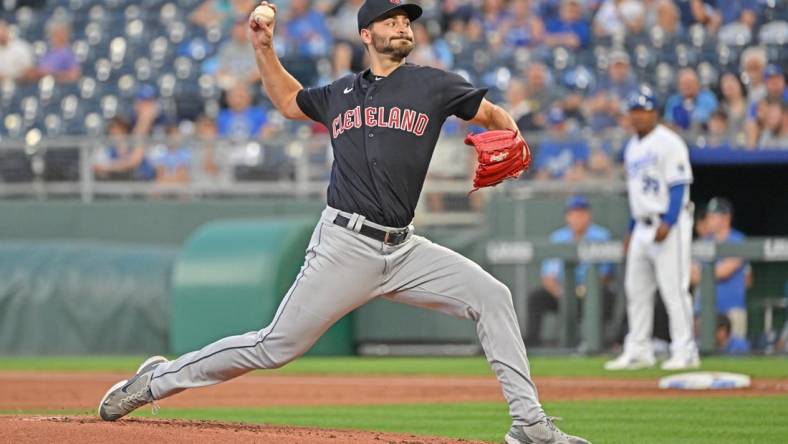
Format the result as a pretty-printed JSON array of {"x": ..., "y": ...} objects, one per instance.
[
  {"x": 496, "y": 295},
  {"x": 277, "y": 352},
  {"x": 280, "y": 358}
]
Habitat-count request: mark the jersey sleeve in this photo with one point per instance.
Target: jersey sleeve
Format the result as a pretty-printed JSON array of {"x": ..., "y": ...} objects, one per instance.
[
  {"x": 461, "y": 99},
  {"x": 314, "y": 102},
  {"x": 676, "y": 164}
]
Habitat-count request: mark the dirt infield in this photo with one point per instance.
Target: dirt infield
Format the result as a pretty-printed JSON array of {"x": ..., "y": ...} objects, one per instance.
[
  {"x": 61, "y": 429},
  {"x": 53, "y": 391}
]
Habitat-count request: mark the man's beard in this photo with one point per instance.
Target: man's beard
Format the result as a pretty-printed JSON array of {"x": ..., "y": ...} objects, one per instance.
[{"x": 385, "y": 46}]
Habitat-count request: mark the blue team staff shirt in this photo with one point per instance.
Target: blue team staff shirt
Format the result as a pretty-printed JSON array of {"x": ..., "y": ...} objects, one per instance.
[
  {"x": 737, "y": 346},
  {"x": 731, "y": 292},
  {"x": 555, "y": 267}
]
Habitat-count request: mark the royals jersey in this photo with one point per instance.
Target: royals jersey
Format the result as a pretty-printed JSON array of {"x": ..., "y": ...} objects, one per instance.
[
  {"x": 383, "y": 131},
  {"x": 654, "y": 164}
]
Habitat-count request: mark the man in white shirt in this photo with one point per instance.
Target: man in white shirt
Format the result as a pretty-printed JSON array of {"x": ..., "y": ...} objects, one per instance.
[
  {"x": 658, "y": 246},
  {"x": 16, "y": 55}
]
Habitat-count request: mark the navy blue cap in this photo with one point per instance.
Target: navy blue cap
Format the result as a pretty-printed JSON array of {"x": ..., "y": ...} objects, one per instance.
[
  {"x": 719, "y": 205},
  {"x": 772, "y": 70},
  {"x": 147, "y": 92},
  {"x": 371, "y": 10},
  {"x": 643, "y": 99},
  {"x": 577, "y": 202}
]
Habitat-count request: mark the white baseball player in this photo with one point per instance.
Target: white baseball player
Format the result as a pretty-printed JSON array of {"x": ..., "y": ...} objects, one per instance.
[{"x": 658, "y": 180}]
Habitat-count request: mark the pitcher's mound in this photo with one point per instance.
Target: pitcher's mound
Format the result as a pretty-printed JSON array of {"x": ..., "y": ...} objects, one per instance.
[{"x": 74, "y": 429}]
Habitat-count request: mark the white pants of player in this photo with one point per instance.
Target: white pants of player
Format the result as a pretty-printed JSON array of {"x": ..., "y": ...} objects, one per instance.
[
  {"x": 664, "y": 266},
  {"x": 344, "y": 270}
]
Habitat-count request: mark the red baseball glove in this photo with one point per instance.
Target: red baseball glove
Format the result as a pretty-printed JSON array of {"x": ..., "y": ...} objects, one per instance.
[{"x": 501, "y": 153}]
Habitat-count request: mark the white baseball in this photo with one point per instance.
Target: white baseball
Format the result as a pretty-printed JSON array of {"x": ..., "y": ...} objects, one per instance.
[{"x": 263, "y": 14}]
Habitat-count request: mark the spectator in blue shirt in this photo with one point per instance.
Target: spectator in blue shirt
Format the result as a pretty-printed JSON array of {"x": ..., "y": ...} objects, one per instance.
[
  {"x": 525, "y": 29},
  {"x": 173, "y": 161},
  {"x": 730, "y": 11},
  {"x": 561, "y": 154},
  {"x": 306, "y": 31},
  {"x": 731, "y": 273},
  {"x": 119, "y": 160},
  {"x": 579, "y": 228},
  {"x": 306, "y": 39},
  {"x": 494, "y": 15},
  {"x": 774, "y": 93},
  {"x": 606, "y": 104},
  {"x": 549, "y": 9},
  {"x": 570, "y": 29},
  {"x": 241, "y": 120},
  {"x": 726, "y": 342},
  {"x": 691, "y": 107}
]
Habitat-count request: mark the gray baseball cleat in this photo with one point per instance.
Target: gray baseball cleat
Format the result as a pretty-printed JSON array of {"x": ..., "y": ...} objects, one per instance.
[
  {"x": 130, "y": 394},
  {"x": 542, "y": 432}
]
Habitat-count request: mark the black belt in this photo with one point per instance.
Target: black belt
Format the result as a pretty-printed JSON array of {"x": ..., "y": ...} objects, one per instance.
[
  {"x": 387, "y": 237},
  {"x": 647, "y": 221}
]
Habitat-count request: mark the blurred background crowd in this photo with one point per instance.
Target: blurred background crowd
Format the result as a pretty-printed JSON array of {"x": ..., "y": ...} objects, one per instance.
[{"x": 185, "y": 71}]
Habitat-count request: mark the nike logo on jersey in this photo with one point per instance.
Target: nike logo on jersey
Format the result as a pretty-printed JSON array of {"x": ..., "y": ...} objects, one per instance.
[{"x": 348, "y": 90}]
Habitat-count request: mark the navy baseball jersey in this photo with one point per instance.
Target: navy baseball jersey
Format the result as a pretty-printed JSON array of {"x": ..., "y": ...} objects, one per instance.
[{"x": 383, "y": 131}]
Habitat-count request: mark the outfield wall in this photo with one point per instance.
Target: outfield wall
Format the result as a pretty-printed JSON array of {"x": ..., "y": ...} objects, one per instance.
[
  {"x": 144, "y": 222},
  {"x": 164, "y": 226}
]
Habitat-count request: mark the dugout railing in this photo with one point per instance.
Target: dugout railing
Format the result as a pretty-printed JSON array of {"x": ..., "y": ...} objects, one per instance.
[{"x": 519, "y": 254}]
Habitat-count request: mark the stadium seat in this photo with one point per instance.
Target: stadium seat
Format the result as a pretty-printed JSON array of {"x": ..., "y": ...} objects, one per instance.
[
  {"x": 708, "y": 75},
  {"x": 15, "y": 166},
  {"x": 13, "y": 125},
  {"x": 665, "y": 77},
  {"x": 94, "y": 124},
  {"x": 122, "y": 43},
  {"x": 61, "y": 165},
  {"x": 53, "y": 125}
]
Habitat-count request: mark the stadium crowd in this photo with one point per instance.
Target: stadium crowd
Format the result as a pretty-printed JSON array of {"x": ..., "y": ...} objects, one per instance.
[{"x": 563, "y": 68}]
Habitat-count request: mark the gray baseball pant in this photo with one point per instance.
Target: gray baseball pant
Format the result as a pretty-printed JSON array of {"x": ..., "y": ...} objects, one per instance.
[{"x": 344, "y": 270}]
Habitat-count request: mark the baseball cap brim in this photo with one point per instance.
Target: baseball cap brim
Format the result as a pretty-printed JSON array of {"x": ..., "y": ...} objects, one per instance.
[
  {"x": 412, "y": 11},
  {"x": 577, "y": 203}
]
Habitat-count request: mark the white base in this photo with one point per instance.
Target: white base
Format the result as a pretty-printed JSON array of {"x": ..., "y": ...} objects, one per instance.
[{"x": 705, "y": 381}]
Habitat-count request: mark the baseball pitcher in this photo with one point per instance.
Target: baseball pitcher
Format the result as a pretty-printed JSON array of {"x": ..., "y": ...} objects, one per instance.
[
  {"x": 658, "y": 179},
  {"x": 383, "y": 124}
]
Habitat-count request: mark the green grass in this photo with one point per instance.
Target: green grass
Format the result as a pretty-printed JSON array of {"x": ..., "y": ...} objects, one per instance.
[
  {"x": 688, "y": 420},
  {"x": 763, "y": 367},
  {"x": 642, "y": 421}
]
